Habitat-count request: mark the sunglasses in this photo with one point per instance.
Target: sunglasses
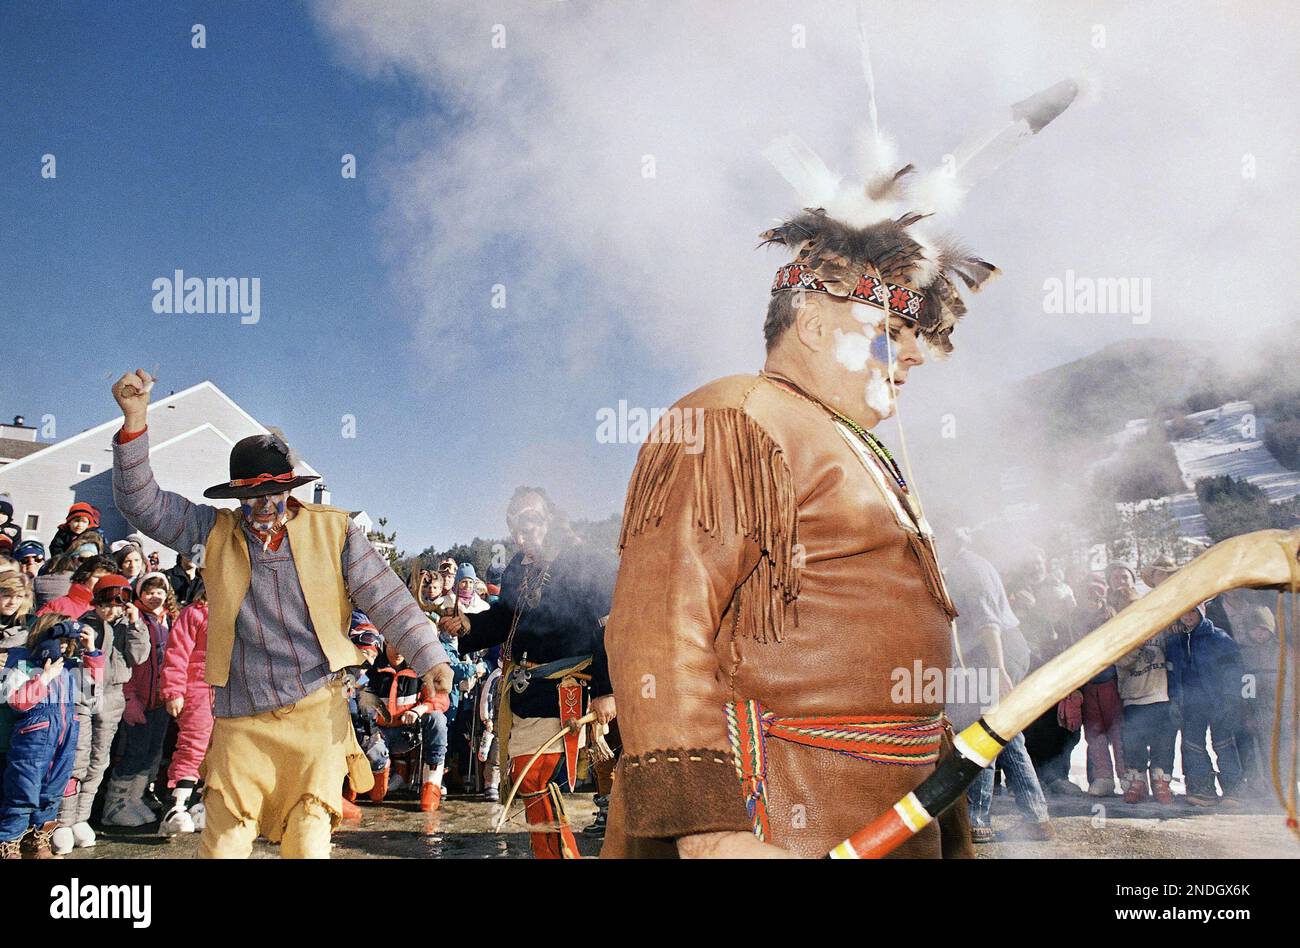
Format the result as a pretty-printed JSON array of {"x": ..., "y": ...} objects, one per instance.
[
  {"x": 29, "y": 560},
  {"x": 113, "y": 596}
]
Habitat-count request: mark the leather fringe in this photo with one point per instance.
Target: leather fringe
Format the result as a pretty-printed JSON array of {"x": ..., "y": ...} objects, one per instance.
[
  {"x": 739, "y": 464},
  {"x": 924, "y": 551}
]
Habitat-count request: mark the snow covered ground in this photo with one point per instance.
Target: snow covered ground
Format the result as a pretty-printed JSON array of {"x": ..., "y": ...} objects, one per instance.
[{"x": 1230, "y": 442}]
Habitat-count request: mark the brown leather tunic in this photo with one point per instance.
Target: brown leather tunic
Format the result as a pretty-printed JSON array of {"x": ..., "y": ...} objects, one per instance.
[{"x": 772, "y": 565}]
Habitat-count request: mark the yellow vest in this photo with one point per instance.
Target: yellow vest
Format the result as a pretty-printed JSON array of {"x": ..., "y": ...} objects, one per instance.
[{"x": 316, "y": 538}]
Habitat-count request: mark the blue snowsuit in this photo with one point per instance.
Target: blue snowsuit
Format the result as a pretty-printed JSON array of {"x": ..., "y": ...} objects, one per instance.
[{"x": 42, "y": 747}]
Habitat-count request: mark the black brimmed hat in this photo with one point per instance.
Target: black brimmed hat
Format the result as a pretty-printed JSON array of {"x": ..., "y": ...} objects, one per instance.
[{"x": 259, "y": 465}]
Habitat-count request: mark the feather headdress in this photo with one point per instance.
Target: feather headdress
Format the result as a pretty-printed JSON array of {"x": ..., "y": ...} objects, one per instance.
[{"x": 849, "y": 234}]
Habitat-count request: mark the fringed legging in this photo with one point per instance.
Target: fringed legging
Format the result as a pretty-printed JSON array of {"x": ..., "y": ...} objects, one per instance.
[{"x": 544, "y": 808}]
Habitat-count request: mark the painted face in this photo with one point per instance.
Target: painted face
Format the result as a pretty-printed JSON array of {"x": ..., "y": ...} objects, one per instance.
[
  {"x": 261, "y": 513},
  {"x": 9, "y": 603},
  {"x": 154, "y": 598},
  {"x": 78, "y": 524},
  {"x": 871, "y": 353},
  {"x": 529, "y": 524}
]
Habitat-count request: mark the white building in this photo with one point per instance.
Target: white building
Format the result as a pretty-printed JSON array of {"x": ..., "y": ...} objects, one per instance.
[{"x": 190, "y": 437}]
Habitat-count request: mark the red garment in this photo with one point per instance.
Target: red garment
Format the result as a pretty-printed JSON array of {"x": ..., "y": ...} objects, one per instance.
[
  {"x": 1103, "y": 720},
  {"x": 539, "y": 810},
  {"x": 74, "y": 605},
  {"x": 182, "y": 677},
  {"x": 143, "y": 691},
  {"x": 187, "y": 652}
]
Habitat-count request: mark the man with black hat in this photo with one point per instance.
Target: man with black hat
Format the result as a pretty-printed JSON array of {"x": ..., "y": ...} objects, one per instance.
[{"x": 282, "y": 578}]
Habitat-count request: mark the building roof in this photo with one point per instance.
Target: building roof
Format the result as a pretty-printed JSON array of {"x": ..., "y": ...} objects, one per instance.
[
  {"x": 115, "y": 423},
  {"x": 13, "y": 449}
]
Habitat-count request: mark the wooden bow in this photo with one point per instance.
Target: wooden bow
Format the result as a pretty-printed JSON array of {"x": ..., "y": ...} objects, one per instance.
[
  {"x": 514, "y": 789},
  {"x": 1266, "y": 559}
]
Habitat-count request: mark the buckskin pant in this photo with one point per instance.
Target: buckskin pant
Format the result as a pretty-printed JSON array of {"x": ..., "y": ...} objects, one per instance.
[{"x": 279, "y": 774}]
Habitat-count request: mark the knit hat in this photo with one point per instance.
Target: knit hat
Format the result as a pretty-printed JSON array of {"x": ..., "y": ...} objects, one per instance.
[
  {"x": 29, "y": 548},
  {"x": 465, "y": 571},
  {"x": 109, "y": 582},
  {"x": 140, "y": 581},
  {"x": 83, "y": 509}
]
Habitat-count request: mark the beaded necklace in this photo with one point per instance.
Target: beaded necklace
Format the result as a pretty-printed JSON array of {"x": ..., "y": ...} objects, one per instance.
[{"x": 871, "y": 441}]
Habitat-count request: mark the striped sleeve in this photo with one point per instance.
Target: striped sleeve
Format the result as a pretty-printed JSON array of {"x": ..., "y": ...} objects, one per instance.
[
  {"x": 161, "y": 515},
  {"x": 378, "y": 592}
]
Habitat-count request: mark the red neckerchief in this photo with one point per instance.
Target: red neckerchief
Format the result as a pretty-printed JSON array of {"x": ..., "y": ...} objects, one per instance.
[{"x": 276, "y": 538}]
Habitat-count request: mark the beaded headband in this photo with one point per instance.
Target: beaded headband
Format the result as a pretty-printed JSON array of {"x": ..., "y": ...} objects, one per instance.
[{"x": 903, "y": 301}]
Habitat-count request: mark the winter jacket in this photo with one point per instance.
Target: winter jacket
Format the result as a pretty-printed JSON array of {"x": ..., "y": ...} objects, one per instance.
[
  {"x": 1144, "y": 674},
  {"x": 1206, "y": 664},
  {"x": 65, "y": 538},
  {"x": 144, "y": 689},
  {"x": 187, "y": 650},
  {"x": 1086, "y": 621},
  {"x": 181, "y": 583},
  {"x": 14, "y": 671},
  {"x": 42, "y": 708},
  {"x": 399, "y": 689},
  {"x": 50, "y": 586},
  {"x": 72, "y": 604},
  {"x": 127, "y": 646},
  {"x": 13, "y": 632}
]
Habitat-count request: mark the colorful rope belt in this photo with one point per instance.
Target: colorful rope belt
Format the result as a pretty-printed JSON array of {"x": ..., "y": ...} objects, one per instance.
[{"x": 909, "y": 741}]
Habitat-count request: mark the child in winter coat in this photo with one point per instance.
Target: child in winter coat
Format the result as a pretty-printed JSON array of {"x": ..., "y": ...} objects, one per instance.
[
  {"x": 82, "y": 519},
  {"x": 44, "y": 739},
  {"x": 364, "y": 712},
  {"x": 144, "y": 719},
  {"x": 123, "y": 637},
  {"x": 1206, "y": 663},
  {"x": 403, "y": 702},
  {"x": 187, "y": 698},
  {"x": 1149, "y": 731}
]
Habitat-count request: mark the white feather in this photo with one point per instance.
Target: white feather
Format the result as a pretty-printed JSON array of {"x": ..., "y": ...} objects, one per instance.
[{"x": 804, "y": 169}]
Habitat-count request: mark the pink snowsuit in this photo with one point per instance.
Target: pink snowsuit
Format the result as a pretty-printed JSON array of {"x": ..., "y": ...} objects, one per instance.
[{"x": 182, "y": 677}]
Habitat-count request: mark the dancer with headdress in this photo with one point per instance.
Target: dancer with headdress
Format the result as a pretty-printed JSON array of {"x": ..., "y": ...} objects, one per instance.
[{"x": 771, "y": 582}]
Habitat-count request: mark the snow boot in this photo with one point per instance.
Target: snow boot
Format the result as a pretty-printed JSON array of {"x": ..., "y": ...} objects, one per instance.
[
  {"x": 62, "y": 841},
  {"x": 380, "y": 789},
  {"x": 1160, "y": 787},
  {"x": 1105, "y": 787},
  {"x": 83, "y": 835},
  {"x": 1135, "y": 787},
  {"x": 36, "y": 844}
]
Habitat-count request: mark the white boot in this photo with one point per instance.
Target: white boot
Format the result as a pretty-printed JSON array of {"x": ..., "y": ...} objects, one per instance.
[
  {"x": 83, "y": 834},
  {"x": 199, "y": 814},
  {"x": 62, "y": 841},
  {"x": 178, "y": 820}
]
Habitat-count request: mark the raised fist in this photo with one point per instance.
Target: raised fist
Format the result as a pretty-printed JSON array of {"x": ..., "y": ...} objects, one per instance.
[{"x": 132, "y": 394}]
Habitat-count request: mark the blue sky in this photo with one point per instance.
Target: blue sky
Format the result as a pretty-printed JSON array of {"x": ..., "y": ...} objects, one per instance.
[
  {"x": 523, "y": 164},
  {"x": 225, "y": 161}
]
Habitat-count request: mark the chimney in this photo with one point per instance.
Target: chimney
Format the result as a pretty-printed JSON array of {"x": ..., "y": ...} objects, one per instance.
[{"x": 321, "y": 495}]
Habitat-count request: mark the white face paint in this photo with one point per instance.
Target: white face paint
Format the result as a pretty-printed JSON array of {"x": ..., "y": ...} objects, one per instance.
[
  {"x": 878, "y": 395},
  {"x": 852, "y": 350}
]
